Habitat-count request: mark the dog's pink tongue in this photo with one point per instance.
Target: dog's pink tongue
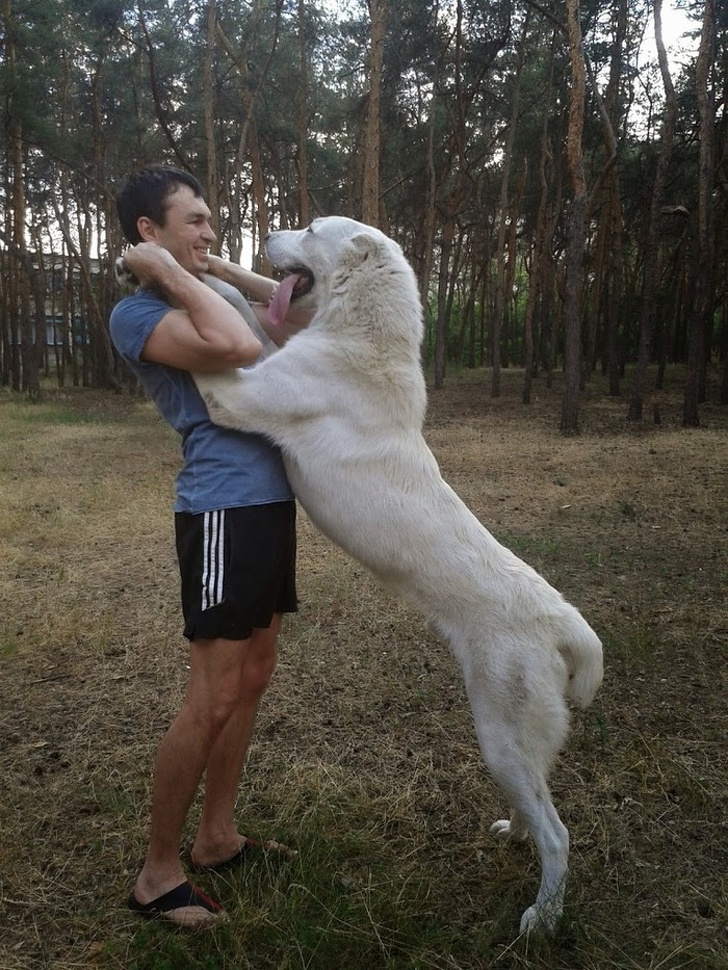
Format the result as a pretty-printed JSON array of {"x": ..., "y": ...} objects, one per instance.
[{"x": 281, "y": 300}]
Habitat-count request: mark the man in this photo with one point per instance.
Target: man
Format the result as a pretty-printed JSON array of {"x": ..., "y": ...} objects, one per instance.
[{"x": 234, "y": 524}]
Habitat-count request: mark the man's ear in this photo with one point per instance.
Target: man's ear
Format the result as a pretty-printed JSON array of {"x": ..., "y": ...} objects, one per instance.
[{"x": 147, "y": 229}]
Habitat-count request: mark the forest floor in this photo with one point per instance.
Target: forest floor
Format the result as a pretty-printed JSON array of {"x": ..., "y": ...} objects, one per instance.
[{"x": 364, "y": 757}]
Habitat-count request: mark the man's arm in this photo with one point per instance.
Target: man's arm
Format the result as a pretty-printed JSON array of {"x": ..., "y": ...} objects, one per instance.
[
  {"x": 261, "y": 289},
  {"x": 258, "y": 287},
  {"x": 202, "y": 332}
]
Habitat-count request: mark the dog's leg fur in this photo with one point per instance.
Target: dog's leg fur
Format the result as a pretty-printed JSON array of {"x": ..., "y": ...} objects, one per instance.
[
  {"x": 533, "y": 812},
  {"x": 518, "y": 752}
]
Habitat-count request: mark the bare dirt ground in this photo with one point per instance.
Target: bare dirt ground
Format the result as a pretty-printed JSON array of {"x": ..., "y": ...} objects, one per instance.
[{"x": 365, "y": 749}]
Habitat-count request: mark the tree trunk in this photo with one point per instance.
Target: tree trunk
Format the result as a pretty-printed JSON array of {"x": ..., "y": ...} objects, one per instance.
[
  {"x": 158, "y": 98},
  {"x": 212, "y": 181},
  {"x": 441, "y": 331},
  {"x": 608, "y": 300},
  {"x": 703, "y": 301},
  {"x": 724, "y": 382},
  {"x": 302, "y": 115},
  {"x": 248, "y": 141},
  {"x": 430, "y": 213},
  {"x": 537, "y": 259},
  {"x": 576, "y": 226},
  {"x": 25, "y": 364},
  {"x": 370, "y": 184},
  {"x": 649, "y": 272},
  {"x": 501, "y": 297}
]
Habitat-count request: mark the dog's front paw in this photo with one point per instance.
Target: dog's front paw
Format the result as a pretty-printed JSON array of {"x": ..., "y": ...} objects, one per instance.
[
  {"x": 218, "y": 394},
  {"x": 124, "y": 276},
  {"x": 218, "y": 413}
]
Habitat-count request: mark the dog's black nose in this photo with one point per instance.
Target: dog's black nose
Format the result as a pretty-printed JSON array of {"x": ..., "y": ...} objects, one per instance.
[{"x": 266, "y": 237}]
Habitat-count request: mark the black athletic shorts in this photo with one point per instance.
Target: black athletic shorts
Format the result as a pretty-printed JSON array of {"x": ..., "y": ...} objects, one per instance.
[{"x": 237, "y": 569}]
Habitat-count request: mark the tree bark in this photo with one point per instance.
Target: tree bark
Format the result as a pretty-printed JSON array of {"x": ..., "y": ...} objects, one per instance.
[
  {"x": 441, "y": 331},
  {"x": 248, "y": 141},
  {"x": 537, "y": 259},
  {"x": 609, "y": 276},
  {"x": 158, "y": 97},
  {"x": 212, "y": 181},
  {"x": 576, "y": 225},
  {"x": 302, "y": 115},
  {"x": 649, "y": 272},
  {"x": 370, "y": 186},
  {"x": 703, "y": 302},
  {"x": 501, "y": 296}
]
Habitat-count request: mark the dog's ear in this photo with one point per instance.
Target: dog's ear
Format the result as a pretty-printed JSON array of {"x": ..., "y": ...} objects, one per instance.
[
  {"x": 358, "y": 250},
  {"x": 124, "y": 276}
]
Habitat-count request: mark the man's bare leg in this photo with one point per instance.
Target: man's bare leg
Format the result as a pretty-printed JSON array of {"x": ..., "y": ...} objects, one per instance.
[
  {"x": 211, "y": 701},
  {"x": 217, "y": 838}
]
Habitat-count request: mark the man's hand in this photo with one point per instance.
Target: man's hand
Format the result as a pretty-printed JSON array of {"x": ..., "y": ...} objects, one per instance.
[{"x": 150, "y": 263}]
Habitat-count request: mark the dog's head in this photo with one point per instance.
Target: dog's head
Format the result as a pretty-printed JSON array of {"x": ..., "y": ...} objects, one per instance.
[{"x": 311, "y": 257}]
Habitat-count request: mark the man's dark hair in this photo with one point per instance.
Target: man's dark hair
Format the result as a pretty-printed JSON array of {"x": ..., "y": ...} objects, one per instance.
[{"x": 145, "y": 194}]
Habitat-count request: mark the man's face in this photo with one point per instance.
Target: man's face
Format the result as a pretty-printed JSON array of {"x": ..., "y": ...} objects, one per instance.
[{"x": 186, "y": 232}]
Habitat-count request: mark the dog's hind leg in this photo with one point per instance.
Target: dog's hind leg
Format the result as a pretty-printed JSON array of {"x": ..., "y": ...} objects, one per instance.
[
  {"x": 552, "y": 841},
  {"x": 519, "y": 764}
]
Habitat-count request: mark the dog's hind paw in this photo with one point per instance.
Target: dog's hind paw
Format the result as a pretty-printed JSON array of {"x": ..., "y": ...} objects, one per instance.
[
  {"x": 540, "y": 919},
  {"x": 504, "y": 829}
]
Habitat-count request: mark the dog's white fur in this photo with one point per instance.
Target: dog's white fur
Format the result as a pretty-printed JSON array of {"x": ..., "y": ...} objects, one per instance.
[{"x": 345, "y": 399}]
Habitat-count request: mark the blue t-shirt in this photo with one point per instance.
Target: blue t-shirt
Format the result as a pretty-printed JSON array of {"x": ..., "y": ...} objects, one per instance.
[{"x": 221, "y": 468}]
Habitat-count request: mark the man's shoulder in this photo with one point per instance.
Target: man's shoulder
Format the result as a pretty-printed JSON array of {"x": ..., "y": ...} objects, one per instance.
[
  {"x": 138, "y": 299},
  {"x": 133, "y": 318}
]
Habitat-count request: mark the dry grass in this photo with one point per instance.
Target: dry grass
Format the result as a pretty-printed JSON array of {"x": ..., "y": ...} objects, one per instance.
[{"x": 364, "y": 757}]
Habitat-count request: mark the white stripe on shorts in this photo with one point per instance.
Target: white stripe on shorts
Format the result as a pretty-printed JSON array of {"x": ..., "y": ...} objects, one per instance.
[{"x": 214, "y": 558}]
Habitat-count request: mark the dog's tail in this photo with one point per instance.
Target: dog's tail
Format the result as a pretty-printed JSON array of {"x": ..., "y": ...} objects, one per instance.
[{"x": 582, "y": 651}]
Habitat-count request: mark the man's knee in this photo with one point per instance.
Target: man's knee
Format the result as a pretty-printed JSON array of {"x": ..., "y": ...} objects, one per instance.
[
  {"x": 215, "y": 709},
  {"x": 260, "y": 663}
]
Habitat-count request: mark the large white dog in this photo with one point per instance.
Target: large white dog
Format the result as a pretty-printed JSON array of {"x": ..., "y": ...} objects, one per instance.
[{"x": 345, "y": 399}]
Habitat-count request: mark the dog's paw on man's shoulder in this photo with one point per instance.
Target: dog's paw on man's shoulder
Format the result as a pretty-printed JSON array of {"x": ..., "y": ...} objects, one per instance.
[{"x": 124, "y": 276}]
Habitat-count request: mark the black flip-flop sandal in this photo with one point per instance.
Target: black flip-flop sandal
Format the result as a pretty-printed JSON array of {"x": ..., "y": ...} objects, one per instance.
[
  {"x": 181, "y": 897},
  {"x": 271, "y": 846}
]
